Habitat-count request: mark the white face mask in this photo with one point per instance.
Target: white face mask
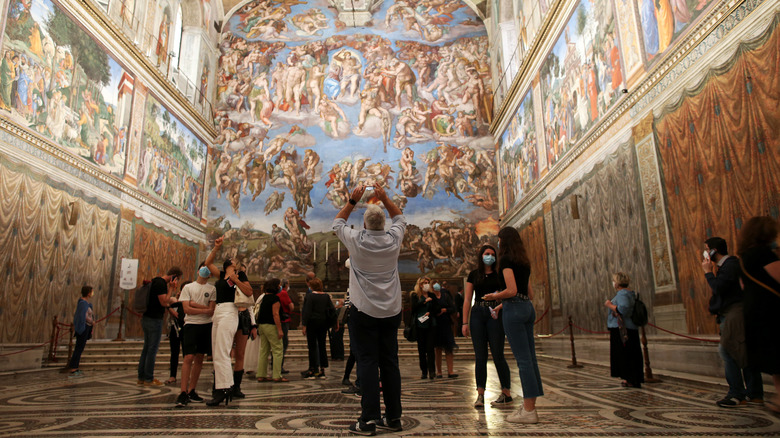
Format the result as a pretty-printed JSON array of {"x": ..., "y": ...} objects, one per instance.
[{"x": 427, "y": 287}]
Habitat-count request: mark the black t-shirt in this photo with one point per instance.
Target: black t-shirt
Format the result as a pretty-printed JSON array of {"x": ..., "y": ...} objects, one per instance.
[
  {"x": 316, "y": 309},
  {"x": 266, "y": 315},
  {"x": 154, "y": 309},
  {"x": 225, "y": 292},
  {"x": 522, "y": 274},
  {"x": 490, "y": 283}
]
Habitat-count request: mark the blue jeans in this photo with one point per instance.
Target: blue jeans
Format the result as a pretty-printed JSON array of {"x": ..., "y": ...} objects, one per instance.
[
  {"x": 152, "y": 335},
  {"x": 734, "y": 377},
  {"x": 375, "y": 344},
  {"x": 488, "y": 331},
  {"x": 519, "y": 316}
]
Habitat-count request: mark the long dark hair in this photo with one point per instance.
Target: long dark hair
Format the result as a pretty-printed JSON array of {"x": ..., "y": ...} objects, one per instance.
[
  {"x": 511, "y": 247},
  {"x": 481, "y": 264},
  {"x": 272, "y": 286},
  {"x": 226, "y": 264},
  {"x": 757, "y": 231}
]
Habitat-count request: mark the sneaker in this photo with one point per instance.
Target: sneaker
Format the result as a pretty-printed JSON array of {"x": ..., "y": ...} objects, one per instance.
[
  {"x": 182, "y": 400},
  {"x": 480, "y": 402},
  {"x": 194, "y": 397},
  {"x": 391, "y": 425},
  {"x": 351, "y": 390},
  {"x": 345, "y": 381},
  {"x": 154, "y": 382},
  {"x": 310, "y": 375},
  {"x": 731, "y": 402},
  {"x": 523, "y": 416},
  {"x": 139, "y": 382},
  {"x": 76, "y": 374},
  {"x": 452, "y": 376},
  {"x": 759, "y": 402},
  {"x": 361, "y": 428},
  {"x": 502, "y": 400}
]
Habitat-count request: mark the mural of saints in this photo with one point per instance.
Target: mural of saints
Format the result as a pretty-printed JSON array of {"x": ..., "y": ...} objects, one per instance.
[{"x": 309, "y": 108}]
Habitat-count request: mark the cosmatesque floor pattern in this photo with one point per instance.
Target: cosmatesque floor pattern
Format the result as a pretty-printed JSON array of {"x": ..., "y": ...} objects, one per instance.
[{"x": 582, "y": 402}]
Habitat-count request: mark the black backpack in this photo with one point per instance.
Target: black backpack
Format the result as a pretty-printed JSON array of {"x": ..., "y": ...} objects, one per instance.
[
  {"x": 141, "y": 298},
  {"x": 639, "y": 314}
]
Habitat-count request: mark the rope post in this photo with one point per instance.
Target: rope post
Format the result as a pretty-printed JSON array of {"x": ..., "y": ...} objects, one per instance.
[
  {"x": 574, "y": 363},
  {"x": 70, "y": 344},
  {"x": 52, "y": 353},
  {"x": 121, "y": 320},
  {"x": 648, "y": 371}
]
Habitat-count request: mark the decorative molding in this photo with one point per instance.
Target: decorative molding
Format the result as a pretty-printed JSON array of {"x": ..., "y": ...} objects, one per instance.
[
  {"x": 642, "y": 129},
  {"x": 658, "y": 234}
]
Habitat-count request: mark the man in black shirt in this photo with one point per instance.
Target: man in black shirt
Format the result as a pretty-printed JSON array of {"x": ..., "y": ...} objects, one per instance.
[
  {"x": 159, "y": 299},
  {"x": 726, "y": 303}
]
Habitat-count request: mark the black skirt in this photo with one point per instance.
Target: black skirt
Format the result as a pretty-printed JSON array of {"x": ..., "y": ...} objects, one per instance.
[{"x": 626, "y": 360}]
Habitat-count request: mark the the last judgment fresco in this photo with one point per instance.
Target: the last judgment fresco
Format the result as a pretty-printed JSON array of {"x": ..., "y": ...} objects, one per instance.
[{"x": 308, "y": 108}]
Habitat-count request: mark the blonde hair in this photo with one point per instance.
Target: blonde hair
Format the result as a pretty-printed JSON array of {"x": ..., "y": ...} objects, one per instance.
[
  {"x": 418, "y": 286},
  {"x": 621, "y": 279}
]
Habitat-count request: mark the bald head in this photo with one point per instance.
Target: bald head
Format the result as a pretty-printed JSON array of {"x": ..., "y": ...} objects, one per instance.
[{"x": 310, "y": 276}]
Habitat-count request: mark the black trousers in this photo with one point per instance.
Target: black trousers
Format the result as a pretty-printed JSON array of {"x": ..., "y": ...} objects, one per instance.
[
  {"x": 81, "y": 342},
  {"x": 336, "y": 338},
  {"x": 426, "y": 340},
  {"x": 626, "y": 360},
  {"x": 175, "y": 340},
  {"x": 375, "y": 344},
  {"x": 315, "y": 340}
]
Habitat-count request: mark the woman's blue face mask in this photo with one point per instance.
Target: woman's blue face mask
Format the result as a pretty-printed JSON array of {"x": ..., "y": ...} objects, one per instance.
[
  {"x": 204, "y": 272},
  {"x": 489, "y": 259},
  {"x": 437, "y": 287}
]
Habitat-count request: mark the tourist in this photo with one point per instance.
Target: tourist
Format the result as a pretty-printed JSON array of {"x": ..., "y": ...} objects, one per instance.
[
  {"x": 246, "y": 328},
  {"x": 625, "y": 354},
  {"x": 225, "y": 324},
  {"x": 484, "y": 323},
  {"x": 317, "y": 316},
  {"x": 285, "y": 313},
  {"x": 425, "y": 326},
  {"x": 160, "y": 293},
  {"x": 722, "y": 272},
  {"x": 518, "y": 316},
  {"x": 761, "y": 301},
  {"x": 375, "y": 297},
  {"x": 175, "y": 324},
  {"x": 83, "y": 319},
  {"x": 198, "y": 301},
  {"x": 443, "y": 309},
  {"x": 270, "y": 332}
]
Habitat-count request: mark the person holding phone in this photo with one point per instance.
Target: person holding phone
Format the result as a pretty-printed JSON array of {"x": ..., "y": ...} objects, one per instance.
[{"x": 152, "y": 323}]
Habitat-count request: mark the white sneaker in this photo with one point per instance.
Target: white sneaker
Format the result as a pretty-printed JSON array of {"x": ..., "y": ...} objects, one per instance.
[{"x": 523, "y": 416}]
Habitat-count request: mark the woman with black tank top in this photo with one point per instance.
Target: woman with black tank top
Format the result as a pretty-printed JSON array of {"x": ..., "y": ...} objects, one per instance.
[
  {"x": 225, "y": 323},
  {"x": 484, "y": 323},
  {"x": 519, "y": 315}
]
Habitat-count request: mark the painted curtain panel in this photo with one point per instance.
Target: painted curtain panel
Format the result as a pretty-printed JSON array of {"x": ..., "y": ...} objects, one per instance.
[
  {"x": 582, "y": 77},
  {"x": 309, "y": 108},
  {"x": 663, "y": 21},
  {"x": 173, "y": 160},
  {"x": 609, "y": 237},
  {"x": 719, "y": 152},
  {"x": 157, "y": 251},
  {"x": 518, "y": 156},
  {"x": 536, "y": 244},
  {"x": 58, "y": 82},
  {"x": 46, "y": 260}
]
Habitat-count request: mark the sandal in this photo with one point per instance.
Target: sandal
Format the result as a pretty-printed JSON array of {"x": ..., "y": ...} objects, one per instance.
[
  {"x": 263, "y": 379},
  {"x": 281, "y": 380},
  {"x": 170, "y": 381}
]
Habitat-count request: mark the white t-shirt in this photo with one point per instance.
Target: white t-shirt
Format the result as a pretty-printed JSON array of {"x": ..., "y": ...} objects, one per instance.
[{"x": 202, "y": 294}]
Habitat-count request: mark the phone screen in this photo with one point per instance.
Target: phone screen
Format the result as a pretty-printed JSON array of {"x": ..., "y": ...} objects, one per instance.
[
  {"x": 369, "y": 187},
  {"x": 706, "y": 255}
]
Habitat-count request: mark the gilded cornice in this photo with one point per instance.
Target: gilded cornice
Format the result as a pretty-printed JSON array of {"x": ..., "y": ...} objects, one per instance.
[
  {"x": 85, "y": 169},
  {"x": 107, "y": 26},
  {"x": 653, "y": 77}
]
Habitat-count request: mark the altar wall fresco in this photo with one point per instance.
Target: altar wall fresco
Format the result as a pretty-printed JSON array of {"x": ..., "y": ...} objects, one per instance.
[{"x": 308, "y": 109}]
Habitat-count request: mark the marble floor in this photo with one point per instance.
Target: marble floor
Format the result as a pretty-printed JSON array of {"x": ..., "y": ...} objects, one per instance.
[{"x": 578, "y": 402}]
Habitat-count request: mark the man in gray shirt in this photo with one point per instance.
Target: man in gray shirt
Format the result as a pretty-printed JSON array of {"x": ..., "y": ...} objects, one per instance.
[{"x": 375, "y": 295}]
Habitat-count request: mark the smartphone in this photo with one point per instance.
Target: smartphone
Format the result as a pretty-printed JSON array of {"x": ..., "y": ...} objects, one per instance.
[
  {"x": 369, "y": 187},
  {"x": 706, "y": 255}
]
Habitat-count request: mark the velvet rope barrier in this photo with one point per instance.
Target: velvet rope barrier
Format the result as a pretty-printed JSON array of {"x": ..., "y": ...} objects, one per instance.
[
  {"x": 589, "y": 331},
  {"x": 543, "y": 315},
  {"x": 683, "y": 336},
  {"x": 34, "y": 346}
]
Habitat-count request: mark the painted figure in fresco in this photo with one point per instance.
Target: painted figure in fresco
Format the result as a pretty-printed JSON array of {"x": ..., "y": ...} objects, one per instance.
[
  {"x": 258, "y": 176},
  {"x": 404, "y": 79},
  {"x": 242, "y": 173},
  {"x": 316, "y": 74},
  {"x": 310, "y": 22},
  {"x": 275, "y": 146},
  {"x": 310, "y": 161},
  {"x": 274, "y": 202},
  {"x": 260, "y": 104},
  {"x": 204, "y": 85},
  {"x": 408, "y": 126},
  {"x": 665, "y": 17},
  {"x": 331, "y": 115},
  {"x": 162, "y": 40},
  {"x": 221, "y": 174},
  {"x": 234, "y": 196},
  {"x": 350, "y": 78},
  {"x": 431, "y": 173},
  {"x": 295, "y": 79},
  {"x": 474, "y": 92},
  {"x": 302, "y": 196},
  {"x": 371, "y": 105}
]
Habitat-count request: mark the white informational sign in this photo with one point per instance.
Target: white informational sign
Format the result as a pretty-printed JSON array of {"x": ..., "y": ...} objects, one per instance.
[{"x": 128, "y": 276}]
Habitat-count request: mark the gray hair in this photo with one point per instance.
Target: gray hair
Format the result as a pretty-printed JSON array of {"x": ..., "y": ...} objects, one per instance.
[{"x": 374, "y": 218}]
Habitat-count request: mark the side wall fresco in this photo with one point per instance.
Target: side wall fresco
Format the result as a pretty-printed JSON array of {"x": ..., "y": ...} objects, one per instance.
[{"x": 708, "y": 160}]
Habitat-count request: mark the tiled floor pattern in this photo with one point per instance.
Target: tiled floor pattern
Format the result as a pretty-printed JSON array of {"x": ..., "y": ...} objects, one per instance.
[{"x": 578, "y": 402}]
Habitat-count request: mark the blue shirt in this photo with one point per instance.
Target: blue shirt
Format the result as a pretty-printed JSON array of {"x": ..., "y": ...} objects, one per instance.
[
  {"x": 374, "y": 285},
  {"x": 624, "y": 300}
]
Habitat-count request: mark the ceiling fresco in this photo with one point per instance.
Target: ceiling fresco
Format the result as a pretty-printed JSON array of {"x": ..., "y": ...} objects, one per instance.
[{"x": 309, "y": 107}]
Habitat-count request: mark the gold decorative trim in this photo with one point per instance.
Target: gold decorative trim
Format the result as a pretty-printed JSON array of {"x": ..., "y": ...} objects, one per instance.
[
  {"x": 113, "y": 29},
  {"x": 51, "y": 148},
  {"x": 684, "y": 47},
  {"x": 643, "y": 128}
]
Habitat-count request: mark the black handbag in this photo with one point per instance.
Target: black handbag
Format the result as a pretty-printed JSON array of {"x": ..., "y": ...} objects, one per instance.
[{"x": 410, "y": 332}]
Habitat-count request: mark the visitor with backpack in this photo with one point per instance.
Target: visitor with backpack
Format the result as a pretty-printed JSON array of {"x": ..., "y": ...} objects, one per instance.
[
  {"x": 157, "y": 300},
  {"x": 624, "y": 349}
]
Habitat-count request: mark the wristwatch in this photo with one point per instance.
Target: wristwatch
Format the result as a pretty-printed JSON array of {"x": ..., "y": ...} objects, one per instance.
[{"x": 352, "y": 201}]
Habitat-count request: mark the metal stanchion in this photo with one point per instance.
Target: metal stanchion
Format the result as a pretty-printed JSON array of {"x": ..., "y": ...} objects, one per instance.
[
  {"x": 121, "y": 321},
  {"x": 70, "y": 345},
  {"x": 574, "y": 363},
  {"x": 648, "y": 371},
  {"x": 52, "y": 353}
]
